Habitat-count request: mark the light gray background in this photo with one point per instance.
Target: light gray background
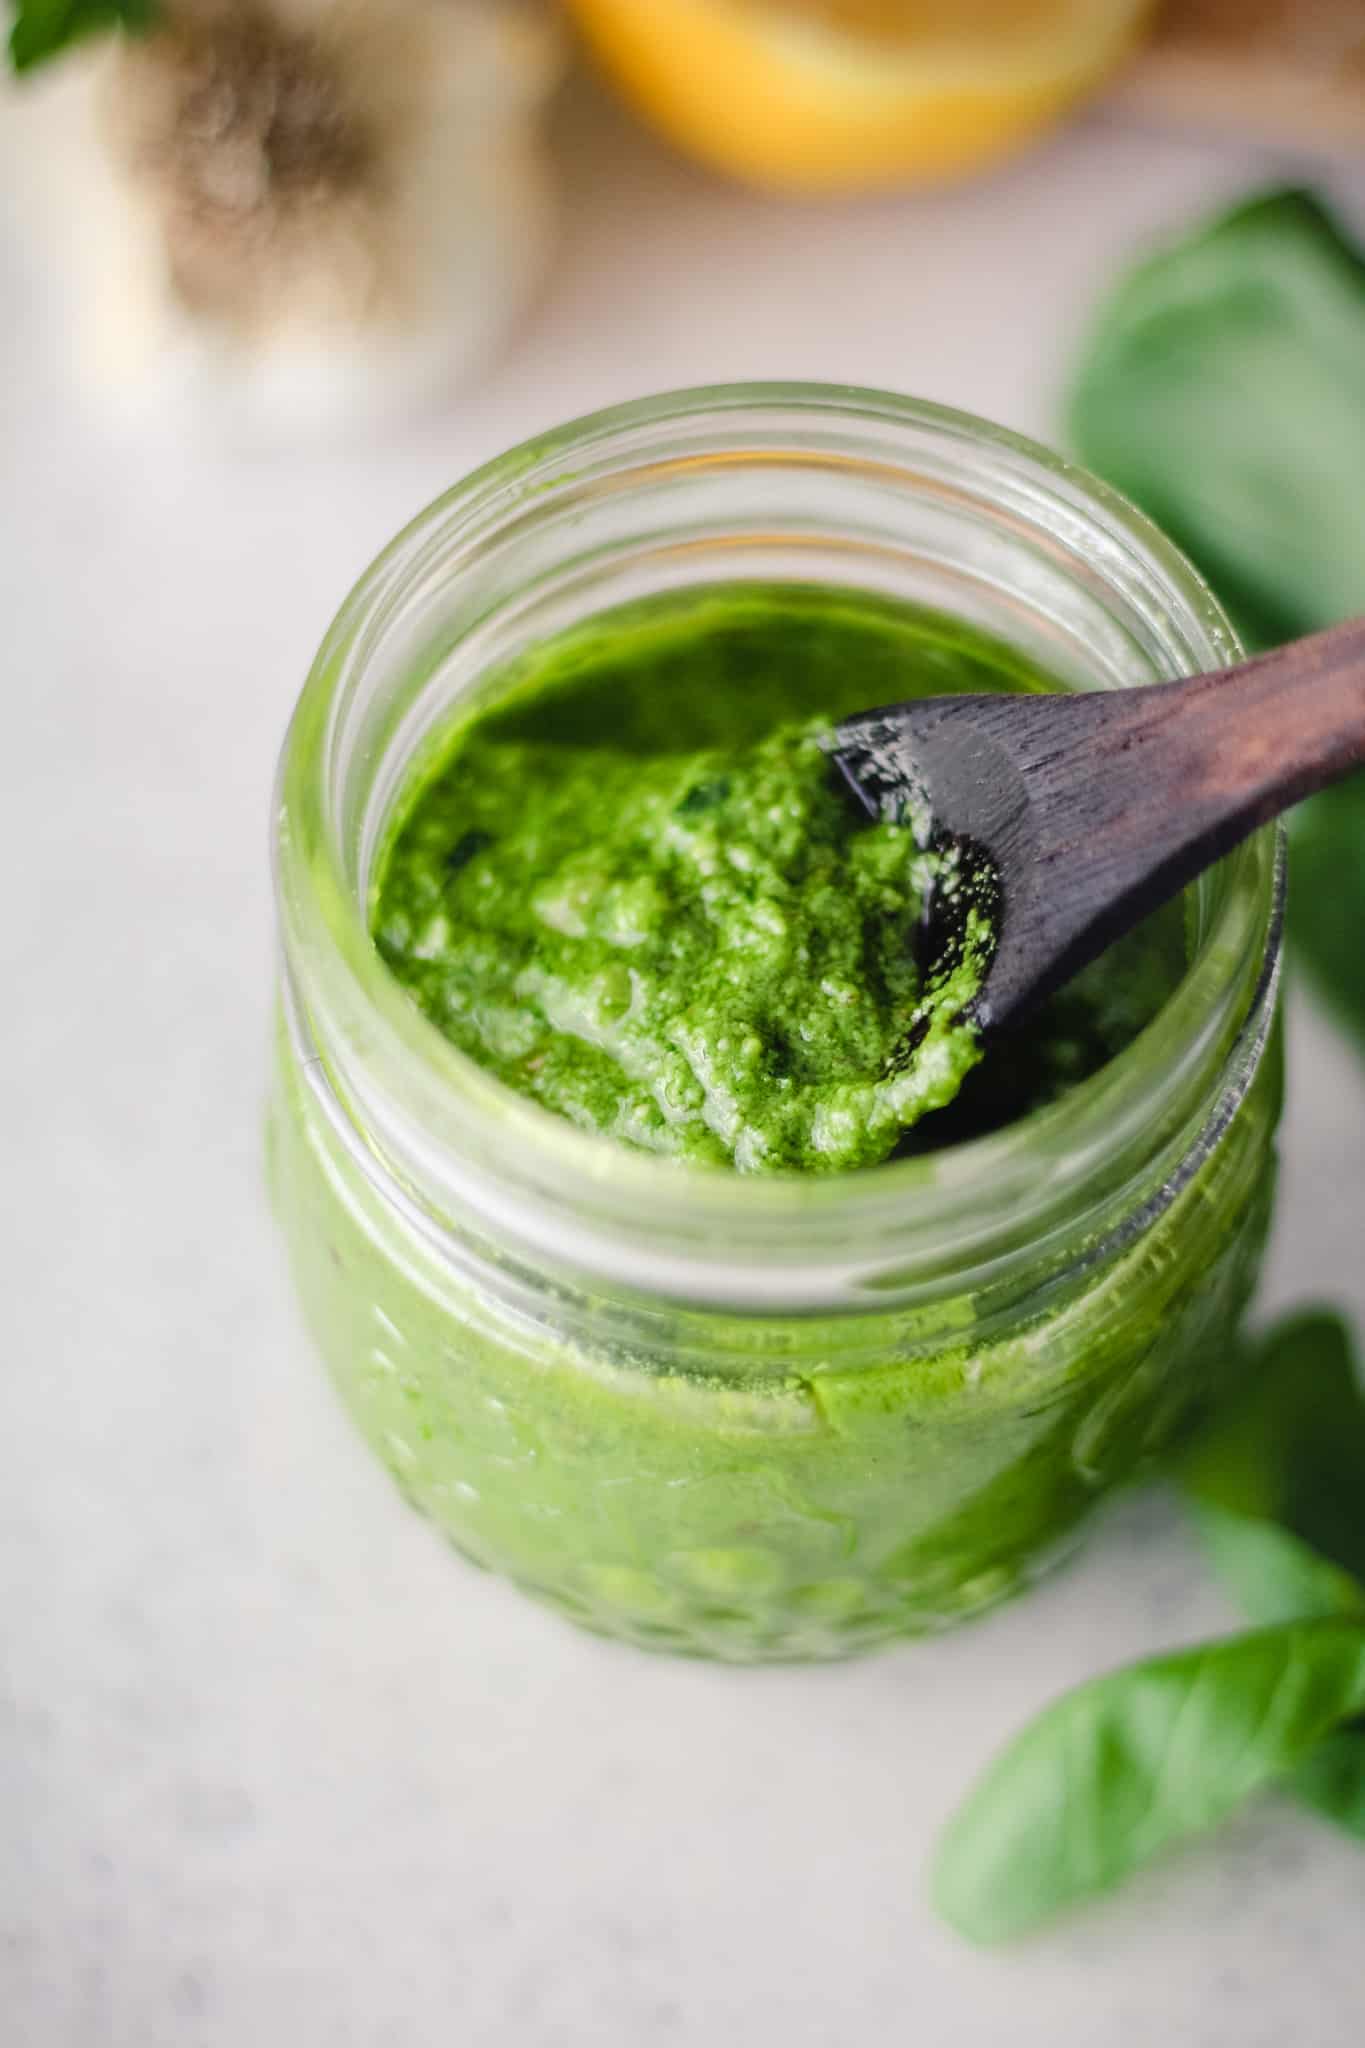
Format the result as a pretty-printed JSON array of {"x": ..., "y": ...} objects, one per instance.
[{"x": 275, "y": 1768}]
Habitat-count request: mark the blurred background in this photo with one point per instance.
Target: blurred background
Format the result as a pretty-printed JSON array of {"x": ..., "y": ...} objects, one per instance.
[{"x": 273, "y": 1768}]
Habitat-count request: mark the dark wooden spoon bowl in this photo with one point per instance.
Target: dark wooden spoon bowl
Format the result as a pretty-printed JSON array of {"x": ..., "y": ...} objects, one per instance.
[{"x": 1088, "y": 811}]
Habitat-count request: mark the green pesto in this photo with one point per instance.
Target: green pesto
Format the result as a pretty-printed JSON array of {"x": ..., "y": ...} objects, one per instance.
[
  {"x": 636, "y": 894},
  {"x": 706, "y": 954}
]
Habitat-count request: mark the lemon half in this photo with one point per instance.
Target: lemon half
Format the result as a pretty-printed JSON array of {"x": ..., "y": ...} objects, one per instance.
[{"x": 848, "y": 95}]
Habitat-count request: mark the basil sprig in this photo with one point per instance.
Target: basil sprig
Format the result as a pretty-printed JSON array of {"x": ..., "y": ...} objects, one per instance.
[
  {"x": 1132, "y": 1762},
  {"x": 1277, "y": 1483}
]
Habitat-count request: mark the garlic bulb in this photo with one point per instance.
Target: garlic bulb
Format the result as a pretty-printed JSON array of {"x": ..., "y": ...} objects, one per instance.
[{"x": 314, "y": 210}]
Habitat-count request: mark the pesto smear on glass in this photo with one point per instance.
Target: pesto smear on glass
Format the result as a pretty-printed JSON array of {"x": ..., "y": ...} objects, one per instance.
[{"x": 633, "y": 890}]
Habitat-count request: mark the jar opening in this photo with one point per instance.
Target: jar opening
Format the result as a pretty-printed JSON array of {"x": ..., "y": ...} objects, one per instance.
[{"x": 776, "y": 484}]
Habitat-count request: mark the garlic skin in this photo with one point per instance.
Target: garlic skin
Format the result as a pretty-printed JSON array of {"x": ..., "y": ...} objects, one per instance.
[{"x": 308, "y": 213}]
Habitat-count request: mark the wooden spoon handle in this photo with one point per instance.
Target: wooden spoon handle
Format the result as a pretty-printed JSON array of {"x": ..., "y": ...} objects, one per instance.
[
  {"x": 1260, "y": 736},
  {"x": 1093, "y": 809},
  {"x": 1097, "y": 808}
]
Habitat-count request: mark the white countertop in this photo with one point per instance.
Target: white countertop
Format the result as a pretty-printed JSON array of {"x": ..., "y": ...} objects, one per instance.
[{"x": 275, "y": 1768}]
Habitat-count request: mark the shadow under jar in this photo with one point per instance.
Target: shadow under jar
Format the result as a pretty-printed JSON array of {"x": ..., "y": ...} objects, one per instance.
[{"x": 752, "y": 1416}]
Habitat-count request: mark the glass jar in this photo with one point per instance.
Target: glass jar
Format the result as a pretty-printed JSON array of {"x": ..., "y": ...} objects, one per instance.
[{"x": 747, "y": 1416}]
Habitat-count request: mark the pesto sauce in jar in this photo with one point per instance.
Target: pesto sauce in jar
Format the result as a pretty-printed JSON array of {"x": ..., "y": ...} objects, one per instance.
[
  {"x": 634, "y": 891},
  {"x": 680, "y": 1473}
]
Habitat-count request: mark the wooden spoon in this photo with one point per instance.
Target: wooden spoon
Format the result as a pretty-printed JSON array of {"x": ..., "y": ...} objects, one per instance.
[{"x": 1080, "y": 813}]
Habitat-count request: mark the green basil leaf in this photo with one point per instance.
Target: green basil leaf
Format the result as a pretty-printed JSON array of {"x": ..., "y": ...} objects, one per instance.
[
  {"x": 1131, "y": 1763},
  {"x": 1223, "y": 388},
  {"x": 42, "y": 28},
  {"x": 1327, "y": 863},
  {"x": 1288, "y": 1447},
  {"x": 1272, "y": 1575},
  {"x": 1331, "y": 1779}
]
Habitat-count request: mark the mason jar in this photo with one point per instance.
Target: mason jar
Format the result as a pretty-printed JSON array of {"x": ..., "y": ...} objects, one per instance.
[{"x": 754, "y": 1416}]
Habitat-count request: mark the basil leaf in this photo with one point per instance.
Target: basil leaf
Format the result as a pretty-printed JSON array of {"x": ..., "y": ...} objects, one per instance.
[
  {"x": 1223, "y": 388},
  {"x": 1331, "y": 1779},
  {"x": 42, "y": 28},
  {"x": 1288, "y": 1447},
  {"x": 1291, "y": 1444},
  {"x": 1272, "y": 1575},
  {"x": 1327, "y": 861},
  {"x": 1131, "y": 1763}
]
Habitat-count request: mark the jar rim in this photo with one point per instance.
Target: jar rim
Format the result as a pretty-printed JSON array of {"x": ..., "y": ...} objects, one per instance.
[{"x": 485, "y": 1163}]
